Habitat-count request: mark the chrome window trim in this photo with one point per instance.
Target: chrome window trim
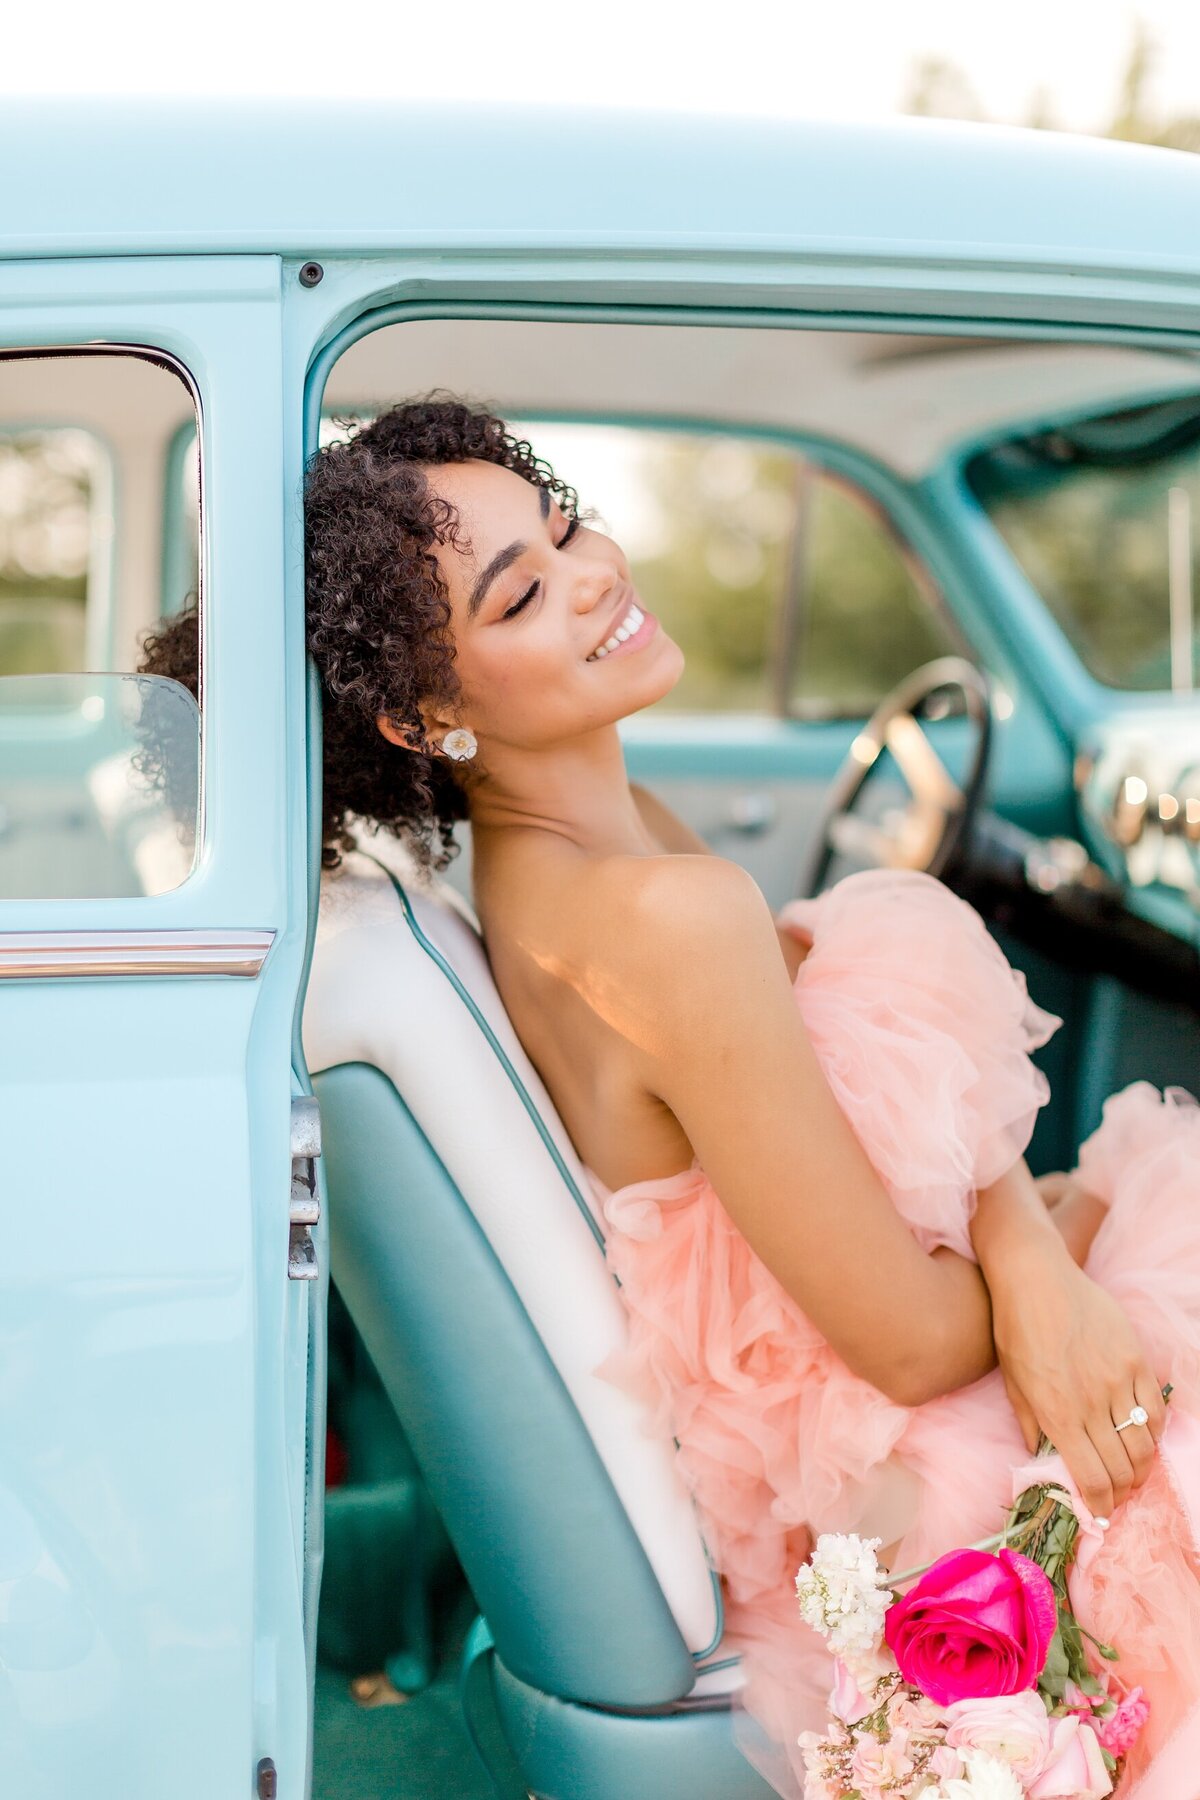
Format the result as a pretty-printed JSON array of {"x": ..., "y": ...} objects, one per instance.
[{"x": 51, "y": 955}]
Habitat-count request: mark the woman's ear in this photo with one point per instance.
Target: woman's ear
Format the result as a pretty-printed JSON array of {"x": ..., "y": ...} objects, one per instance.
[{"x": 397, "y": 731}]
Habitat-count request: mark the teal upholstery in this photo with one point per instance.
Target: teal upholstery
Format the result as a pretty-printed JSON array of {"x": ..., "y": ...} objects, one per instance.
[
  {"x": 569, "y": 1752},
  {"x": 545, "y": 1543},
  {"x": 573, "y": 1694}
]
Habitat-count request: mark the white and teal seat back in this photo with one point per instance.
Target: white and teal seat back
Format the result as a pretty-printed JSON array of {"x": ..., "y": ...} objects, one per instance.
[{"x": 466, "y": 1244}]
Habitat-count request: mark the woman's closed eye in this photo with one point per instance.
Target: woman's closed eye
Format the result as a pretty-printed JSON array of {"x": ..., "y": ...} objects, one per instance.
[{"x": 518, "y": 605}]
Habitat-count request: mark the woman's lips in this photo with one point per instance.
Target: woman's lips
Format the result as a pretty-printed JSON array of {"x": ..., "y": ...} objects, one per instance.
[{"x": 637, "y": 638}]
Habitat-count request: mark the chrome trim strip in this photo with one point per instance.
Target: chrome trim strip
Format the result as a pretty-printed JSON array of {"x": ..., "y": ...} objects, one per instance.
[{"x": 50, "y": 955}]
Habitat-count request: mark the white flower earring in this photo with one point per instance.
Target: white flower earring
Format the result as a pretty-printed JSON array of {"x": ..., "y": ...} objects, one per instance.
[{"x": 459, "y": 744}]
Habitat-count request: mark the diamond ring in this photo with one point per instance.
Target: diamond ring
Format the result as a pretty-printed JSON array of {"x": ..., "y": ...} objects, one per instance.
[{"x": 1139, "y": 1416}]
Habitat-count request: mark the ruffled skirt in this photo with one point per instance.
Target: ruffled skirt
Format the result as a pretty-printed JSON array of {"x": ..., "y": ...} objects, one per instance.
[{"x": 923, "y": 1031}]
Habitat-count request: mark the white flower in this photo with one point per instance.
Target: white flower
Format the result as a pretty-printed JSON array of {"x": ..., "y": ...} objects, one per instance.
[
  {"x": 985, "y": 1779},
  {"x": 840, "y": 1593}
]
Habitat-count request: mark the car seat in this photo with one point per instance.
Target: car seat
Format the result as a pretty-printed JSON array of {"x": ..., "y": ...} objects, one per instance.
[{"x": 468, "y": 1248}]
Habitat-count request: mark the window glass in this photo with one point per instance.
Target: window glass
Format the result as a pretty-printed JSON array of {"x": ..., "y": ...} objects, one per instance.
[
  {"x": 1104, "y": 518},
  {"x": 866, "y": 613},
  {"x": 99, "y": 765}
]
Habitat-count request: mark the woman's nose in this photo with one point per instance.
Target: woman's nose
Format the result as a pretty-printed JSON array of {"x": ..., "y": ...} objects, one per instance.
[{"x": 594, "y": 582}]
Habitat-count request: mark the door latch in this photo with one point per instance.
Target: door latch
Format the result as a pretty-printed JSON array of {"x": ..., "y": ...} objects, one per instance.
[{"x": 304, "y": 1207}]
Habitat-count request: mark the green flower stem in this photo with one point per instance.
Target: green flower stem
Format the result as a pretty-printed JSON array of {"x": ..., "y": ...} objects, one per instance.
[{"x": 991, "y": 1543}]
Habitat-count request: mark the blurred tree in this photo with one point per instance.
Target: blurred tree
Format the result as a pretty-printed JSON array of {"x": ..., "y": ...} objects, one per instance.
[
  {"x": 726, "y": 509},
  {"x": 1135, "y": 119},
  {"x": 938, "y": 88},
  {"x": 45, "y": 536}
]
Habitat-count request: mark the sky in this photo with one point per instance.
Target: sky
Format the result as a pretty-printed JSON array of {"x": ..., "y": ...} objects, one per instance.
[{"x": 807, "y": 58}]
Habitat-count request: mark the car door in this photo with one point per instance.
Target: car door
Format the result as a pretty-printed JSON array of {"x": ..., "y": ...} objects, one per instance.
[{"x": 153, "y": 1400}]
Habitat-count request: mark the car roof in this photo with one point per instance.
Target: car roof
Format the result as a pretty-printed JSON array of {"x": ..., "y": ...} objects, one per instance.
[{"x": 312, "y": 177}]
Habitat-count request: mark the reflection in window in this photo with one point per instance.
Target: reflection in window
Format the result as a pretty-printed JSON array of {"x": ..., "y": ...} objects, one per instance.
[
  {"x": 105, "y": 806},
  {"x": 50, "y": 485},
  {"x": 181, "y": 523}
]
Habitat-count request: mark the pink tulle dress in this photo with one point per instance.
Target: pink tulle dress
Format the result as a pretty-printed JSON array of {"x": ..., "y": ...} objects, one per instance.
[{"x": 924, "y": 1033}]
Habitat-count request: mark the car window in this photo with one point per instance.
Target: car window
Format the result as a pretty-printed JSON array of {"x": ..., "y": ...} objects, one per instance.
[
  {"x": 784, "y": 585},
  {"x": 866, "y": 611},
  {"x": 1103, "y": 515},
  {"x": 99, "y": 767}
]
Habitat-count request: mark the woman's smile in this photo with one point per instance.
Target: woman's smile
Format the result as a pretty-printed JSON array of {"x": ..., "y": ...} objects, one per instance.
[{"x": 634, "y": 628}]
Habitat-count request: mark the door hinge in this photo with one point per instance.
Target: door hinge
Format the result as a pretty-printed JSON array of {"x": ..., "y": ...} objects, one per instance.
[
  {"x": 304, "y": 1207},
  {"x": 266, "y": 1779}
]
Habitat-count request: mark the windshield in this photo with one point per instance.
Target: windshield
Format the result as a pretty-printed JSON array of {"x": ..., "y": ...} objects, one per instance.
[{"x": 1104, "y": 518}]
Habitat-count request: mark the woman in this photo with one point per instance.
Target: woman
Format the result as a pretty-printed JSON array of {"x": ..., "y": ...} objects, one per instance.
[{"x": 869, "y": 1327}]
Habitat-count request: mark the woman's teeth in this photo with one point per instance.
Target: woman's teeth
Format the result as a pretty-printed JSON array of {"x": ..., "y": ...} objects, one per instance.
[{"x": 629, "y": 624}]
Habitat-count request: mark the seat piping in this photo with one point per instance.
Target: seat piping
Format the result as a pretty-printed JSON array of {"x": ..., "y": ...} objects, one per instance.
[
  {"x": 431, "y": 950},
  {"x": 505, "y": 1060}
]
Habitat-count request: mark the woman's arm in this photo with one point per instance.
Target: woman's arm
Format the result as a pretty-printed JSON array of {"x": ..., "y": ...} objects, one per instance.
[
  {"x": 1072, "y": 1363},
  {"x": 692, "y": 977},
  {"x": 1075, "y": 1213}
]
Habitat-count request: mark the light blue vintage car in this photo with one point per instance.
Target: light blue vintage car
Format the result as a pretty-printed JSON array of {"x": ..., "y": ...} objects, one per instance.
[{"x": 901, "y": 428}]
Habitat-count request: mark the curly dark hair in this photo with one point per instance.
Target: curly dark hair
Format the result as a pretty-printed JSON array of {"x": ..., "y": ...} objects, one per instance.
[{"x": 378, "y": 614}]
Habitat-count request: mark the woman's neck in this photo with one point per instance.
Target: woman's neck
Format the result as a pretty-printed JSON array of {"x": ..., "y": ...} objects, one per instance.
[{"x": 579, "y": 790}]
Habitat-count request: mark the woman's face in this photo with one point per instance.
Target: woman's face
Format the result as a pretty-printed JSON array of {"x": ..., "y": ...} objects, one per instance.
[{"x": 550, "y": 638}]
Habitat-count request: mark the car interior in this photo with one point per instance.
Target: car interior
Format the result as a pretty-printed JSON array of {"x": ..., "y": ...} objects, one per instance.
[{"x": 936, "y": 596}]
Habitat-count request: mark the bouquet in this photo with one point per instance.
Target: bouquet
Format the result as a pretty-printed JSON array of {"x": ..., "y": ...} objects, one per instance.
[{"x": 974, "y": 1685}]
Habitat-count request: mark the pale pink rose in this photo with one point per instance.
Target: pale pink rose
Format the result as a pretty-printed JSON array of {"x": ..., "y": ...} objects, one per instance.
[
  {"x": 915, "y": 1713},
  {"x": 812, "y": 1745},
  {"x": 1120, "y": 1731},
  {"x": 1013, "y": 1728},
  {"x": 945, "y": 1764},
  {"x": 1075, "y": 1767},
  {"x": 817, "y": 1788},
  {"x": 874, "y": 1764},
  {"x": 867, "y": 1666},
  {"x": 847, "y": 1701}
]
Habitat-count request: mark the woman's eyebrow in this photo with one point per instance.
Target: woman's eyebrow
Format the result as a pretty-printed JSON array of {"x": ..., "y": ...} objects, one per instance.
[{"x": 502, "y": 560}]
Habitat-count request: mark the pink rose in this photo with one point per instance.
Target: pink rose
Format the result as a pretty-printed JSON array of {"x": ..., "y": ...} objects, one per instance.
[
  {"x": 1013, "y": 1728},
  {"x": 974, "y": 1625},
  {"x": 945, "y": 1764},
  {"x": 847, "y": 1701},
  {"x": 1075, "y": 1767},
  {"x": 915, "y": 1714},
  {"x": 1120, "y": 1731},
  {"x": 874, "y": 1764},
  {"x": 1076, "y": 1701}
]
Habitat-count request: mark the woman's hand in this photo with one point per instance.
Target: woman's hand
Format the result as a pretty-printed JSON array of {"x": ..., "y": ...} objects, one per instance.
[
  {"x": 1072, "y": 1362},
  {"x": 1076, "y": 1214}
]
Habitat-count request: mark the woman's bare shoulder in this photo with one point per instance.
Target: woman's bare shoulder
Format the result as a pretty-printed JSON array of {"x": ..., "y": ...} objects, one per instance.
[{"x": 649, "y": 923}]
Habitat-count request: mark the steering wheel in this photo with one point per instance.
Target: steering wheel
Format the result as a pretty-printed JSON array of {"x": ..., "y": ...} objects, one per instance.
[{"x": 930, "y": 829}]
